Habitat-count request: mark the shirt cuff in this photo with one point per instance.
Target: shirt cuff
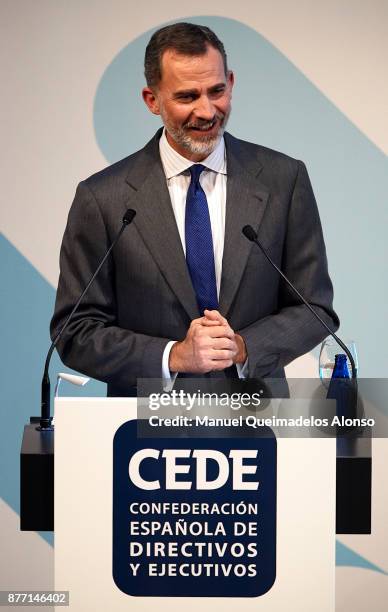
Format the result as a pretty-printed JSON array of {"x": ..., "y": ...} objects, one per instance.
[
  {"x": 242, "y": 369},
  {"x": 168, "y": 377}
]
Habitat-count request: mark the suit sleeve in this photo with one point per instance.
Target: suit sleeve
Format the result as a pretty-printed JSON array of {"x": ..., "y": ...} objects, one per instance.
[
  {"x": 278, "y": 339},
  {"x": 93, "y": 343}
]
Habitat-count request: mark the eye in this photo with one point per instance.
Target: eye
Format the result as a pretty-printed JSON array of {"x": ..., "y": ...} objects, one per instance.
[
  {"x": 219, "y": 91},
  {"x": 185, "y": 97}
]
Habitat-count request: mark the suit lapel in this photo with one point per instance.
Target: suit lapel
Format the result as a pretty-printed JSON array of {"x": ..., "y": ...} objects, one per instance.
[
  {"x": 156, "y": 223},
  {"x": 246, "y": 199}
]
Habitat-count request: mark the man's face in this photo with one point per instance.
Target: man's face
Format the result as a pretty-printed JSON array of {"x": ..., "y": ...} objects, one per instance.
[{"x": 193, "y": 98}]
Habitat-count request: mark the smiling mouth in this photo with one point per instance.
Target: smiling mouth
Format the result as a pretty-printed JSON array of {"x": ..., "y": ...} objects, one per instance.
[{"x": 208, "y": 127}]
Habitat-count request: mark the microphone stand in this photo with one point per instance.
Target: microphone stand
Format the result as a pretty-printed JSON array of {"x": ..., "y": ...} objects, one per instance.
[
  {"x": 46, "y": 419},
  {"x": 37, "y": 451},
  {"x": 353, "y": 467}
]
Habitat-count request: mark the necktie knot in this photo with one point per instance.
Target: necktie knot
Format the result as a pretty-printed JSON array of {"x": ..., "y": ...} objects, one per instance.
[{"x": 195, "y": 171}]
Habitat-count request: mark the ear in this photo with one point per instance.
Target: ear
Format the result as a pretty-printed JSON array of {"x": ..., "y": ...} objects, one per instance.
[
  {"x": 151, "y": 100},
  {"x": 230, "y": 79}
]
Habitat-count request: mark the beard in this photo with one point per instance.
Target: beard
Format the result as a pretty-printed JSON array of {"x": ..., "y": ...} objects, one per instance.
[{"x": 205, "y": 143}]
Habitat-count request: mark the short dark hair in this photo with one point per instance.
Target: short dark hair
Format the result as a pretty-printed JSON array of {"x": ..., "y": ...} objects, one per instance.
[{"x": 182, "y": 37}]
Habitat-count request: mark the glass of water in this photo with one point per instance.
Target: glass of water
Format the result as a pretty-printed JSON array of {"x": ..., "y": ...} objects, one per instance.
[{"x": 329, "y": 349}]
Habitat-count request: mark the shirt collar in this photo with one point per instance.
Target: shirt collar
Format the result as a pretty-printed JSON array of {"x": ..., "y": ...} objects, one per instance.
[{"x": 174, "y": 163}]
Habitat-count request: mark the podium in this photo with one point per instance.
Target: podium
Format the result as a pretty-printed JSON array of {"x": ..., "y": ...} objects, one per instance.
[{"x": 86, "y": 491}]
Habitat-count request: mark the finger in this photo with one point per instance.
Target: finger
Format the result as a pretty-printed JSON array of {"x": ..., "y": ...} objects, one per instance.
[
  {"x": 220, "y": 331},
  {"x": 221, "y": 364},
  {"x": 210, "y": 322},
  {"x": 222, "y": 355},
  {"x": 214, "y": 331},
  {"x": 224, "y": 344},
  {"x": 198, "y": 321},
  {"x": 214, "y": 315}
]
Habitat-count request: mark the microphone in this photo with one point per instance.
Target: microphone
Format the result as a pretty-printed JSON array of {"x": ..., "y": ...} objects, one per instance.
[
  {"x": 251, "y": 235},
  {"x": 46, "y": 419}
]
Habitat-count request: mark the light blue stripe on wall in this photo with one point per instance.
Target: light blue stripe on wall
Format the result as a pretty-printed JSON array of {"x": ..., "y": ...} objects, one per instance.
[{"x": 27, "y": 304}]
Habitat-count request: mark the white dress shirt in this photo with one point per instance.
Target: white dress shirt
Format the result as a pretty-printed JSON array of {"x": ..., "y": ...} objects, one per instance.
[{"x": 213, "y": 182}]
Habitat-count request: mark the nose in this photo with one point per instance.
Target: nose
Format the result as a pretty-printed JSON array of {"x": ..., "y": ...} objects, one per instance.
[{"x": 204, "y": 108}]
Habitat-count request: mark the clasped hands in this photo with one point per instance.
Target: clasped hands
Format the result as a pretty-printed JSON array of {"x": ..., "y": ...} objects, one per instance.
[{"x": 210, "y": 344}]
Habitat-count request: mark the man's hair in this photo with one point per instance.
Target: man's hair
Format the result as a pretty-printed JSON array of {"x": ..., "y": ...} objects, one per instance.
[{"x": 184, "y": 38}]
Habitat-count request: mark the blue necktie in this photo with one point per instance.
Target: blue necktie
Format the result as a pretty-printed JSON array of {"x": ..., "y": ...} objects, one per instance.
[{"x": 199, "y": 243}]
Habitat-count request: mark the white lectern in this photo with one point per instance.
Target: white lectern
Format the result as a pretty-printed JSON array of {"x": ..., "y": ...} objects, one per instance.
[{"x": 305, "y": 519}]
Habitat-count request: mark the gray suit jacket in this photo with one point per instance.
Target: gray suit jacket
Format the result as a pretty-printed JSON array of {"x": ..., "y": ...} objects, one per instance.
[{"x": 143, "y": 296}]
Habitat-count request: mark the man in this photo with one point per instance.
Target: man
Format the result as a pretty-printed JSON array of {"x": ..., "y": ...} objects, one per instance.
[{"x": 184, "y": 291}]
